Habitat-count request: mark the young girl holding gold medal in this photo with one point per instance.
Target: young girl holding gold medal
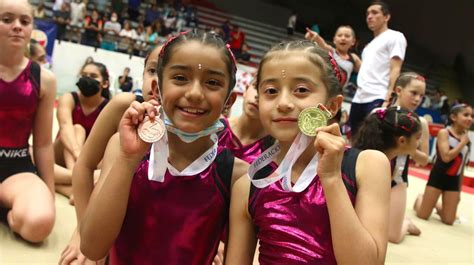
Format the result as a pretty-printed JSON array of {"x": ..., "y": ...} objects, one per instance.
[{"x": 324, "y": 203}]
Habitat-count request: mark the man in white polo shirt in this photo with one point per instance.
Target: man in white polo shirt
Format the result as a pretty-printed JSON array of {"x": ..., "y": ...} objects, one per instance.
[{"x": 382, "y": 61}]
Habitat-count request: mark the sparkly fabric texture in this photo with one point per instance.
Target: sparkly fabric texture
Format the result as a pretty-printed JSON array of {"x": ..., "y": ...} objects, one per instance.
[
  {"x": 249, "y": 152},
  {"x": 18, "y": 104},
  {"x": 294, "y": 228},
  {"x": 178, "y": 221},
  {"x": 86, "y": 121}
]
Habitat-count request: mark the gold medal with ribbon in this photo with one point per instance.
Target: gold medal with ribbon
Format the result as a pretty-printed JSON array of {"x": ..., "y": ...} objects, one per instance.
[{"x": 312, "y": 118}]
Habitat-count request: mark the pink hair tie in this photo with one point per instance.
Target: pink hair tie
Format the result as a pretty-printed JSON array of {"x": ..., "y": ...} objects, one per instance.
[
  {"x": 234, "y": 61},
  {"x": 171, "y": 39},
  {"x": 381, "y": 112}
]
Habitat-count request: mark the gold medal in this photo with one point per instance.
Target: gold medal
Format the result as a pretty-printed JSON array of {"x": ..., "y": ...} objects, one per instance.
[{"x": 312, "y": 118}]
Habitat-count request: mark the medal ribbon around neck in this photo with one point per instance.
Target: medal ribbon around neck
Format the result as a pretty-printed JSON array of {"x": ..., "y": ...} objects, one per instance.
[
  {"x": 308, "y": 120},
  {"x": 283, "y": 171},
  {"x": 159, "y": 161}
]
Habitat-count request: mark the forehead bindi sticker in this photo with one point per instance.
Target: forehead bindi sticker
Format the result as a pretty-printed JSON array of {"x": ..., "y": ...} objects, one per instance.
[{"x": 283, "y": 74}]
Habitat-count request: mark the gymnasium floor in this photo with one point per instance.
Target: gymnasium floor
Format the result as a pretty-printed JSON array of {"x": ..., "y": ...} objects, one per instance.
[{"x": 438, "y": 243}]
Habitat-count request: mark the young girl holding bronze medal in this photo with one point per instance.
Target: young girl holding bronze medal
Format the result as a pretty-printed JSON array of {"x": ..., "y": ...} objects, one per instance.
[
  {"x": 324, "y": 203},
  {"x": 176, "y": 196}
]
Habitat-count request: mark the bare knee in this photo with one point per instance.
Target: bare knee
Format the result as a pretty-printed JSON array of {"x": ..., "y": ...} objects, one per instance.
[
  {"x": 33, "y": 227},
  {"x": 448, "y": 221},
  {"x": 395, "y": 237},
  {"x": 423, "y": 216}
]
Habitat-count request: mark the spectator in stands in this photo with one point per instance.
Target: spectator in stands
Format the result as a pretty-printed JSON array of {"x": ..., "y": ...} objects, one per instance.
[
  {"x": 152, "y": 14},
  {"x": 38, "y": 12},
  {"x": 169, "y": 22},
  {"x": 57, "y": 5},
  {"x": 191, "y": 17},
  {"x": 237, "y": 39},
  {"x": 426, "y": 103},
  {"x": 439, "y": 99},
  {"x": 117, "y": 6},
  {"x": 102, "y": 5},
  {"x": 181, "y": 19},
  {"x": 154, "y": 35},
  {"x": 128, "y": 37},
  {"x": 244, "y": 56},
  {"x": 290, "y": 28},
  {"x": 112, "y": 30},
  {"x": 140, "y": 41},
  {"x": 93, "y": 26},
  {"x": 226, "y": 30},
  {"x": 382, "y": 60},
  {"x": 62, "y": 18},
  {"x": 125, "y": 80},
  {"x": 124, "y": 15},
  {"x": 78, "y": 12},
  {"x": 134, "y": 9}
]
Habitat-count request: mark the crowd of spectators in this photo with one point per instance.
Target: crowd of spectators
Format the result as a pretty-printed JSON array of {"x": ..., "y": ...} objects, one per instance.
[{"x": 132, "y": 27}]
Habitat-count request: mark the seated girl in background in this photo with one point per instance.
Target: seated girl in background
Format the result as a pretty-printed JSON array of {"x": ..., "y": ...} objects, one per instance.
[
  {"x": 27, "y": 93},
  {"x": 409, "y": 92},
  {"x": 93, "y": 151},
  {"x": 324, "y": 204},
  {"x": 453, "y": 147},
  {"x": 244, "y": 135},
  {"x": 77, "y": 112},
  {"x": 396, "y": 132}
]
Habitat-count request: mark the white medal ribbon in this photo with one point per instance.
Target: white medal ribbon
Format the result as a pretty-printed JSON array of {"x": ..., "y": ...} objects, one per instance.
[
  {"x": 283, "y": 171},
  {"x": 159, "y": 161},
  {"x": 398, "y": 168}
]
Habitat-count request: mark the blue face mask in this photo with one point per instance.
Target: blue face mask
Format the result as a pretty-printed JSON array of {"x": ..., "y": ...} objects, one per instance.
[{"x": 191, "y": 137}]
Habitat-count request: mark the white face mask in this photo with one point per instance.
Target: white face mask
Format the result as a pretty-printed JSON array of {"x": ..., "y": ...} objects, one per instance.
[{"x": 113, "y": 19}]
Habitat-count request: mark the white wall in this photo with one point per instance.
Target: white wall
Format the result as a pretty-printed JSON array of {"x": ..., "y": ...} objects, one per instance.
[{"x": 69, "y": 57}]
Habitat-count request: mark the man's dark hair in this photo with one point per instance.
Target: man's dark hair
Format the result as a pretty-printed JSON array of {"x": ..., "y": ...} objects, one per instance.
[{"x": 383, "y": 6}]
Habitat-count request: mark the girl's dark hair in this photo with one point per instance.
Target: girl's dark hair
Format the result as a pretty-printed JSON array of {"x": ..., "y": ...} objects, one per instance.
[
  {"x": 455, "y": 110},
  {"x": 381, "y": 129},
  {"x": 204, "y": 38},
  {"x": 383, "y": 6},
  {"x": 105, "y": 76},
  {"x": 331, "y": 74}
]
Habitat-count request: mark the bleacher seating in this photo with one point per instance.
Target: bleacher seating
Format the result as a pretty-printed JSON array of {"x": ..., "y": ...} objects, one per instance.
[{"x": 259, "y": 36}]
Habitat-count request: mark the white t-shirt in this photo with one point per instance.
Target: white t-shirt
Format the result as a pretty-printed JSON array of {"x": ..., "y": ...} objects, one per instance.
[
  {"x": 115, "y": 26},
  {"x": 292, "y": 21},
  {"x": 128, "y": 33},
  {"x": 57, "y": 5},
  {"x": 77, "y": 13},
  {"x": 374, "y": 74}
]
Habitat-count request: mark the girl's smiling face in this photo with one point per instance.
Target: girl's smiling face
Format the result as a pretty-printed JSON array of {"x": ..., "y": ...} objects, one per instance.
[
  {"x": 289, "y": 83},
  {"x": 195, "y": 86}
]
